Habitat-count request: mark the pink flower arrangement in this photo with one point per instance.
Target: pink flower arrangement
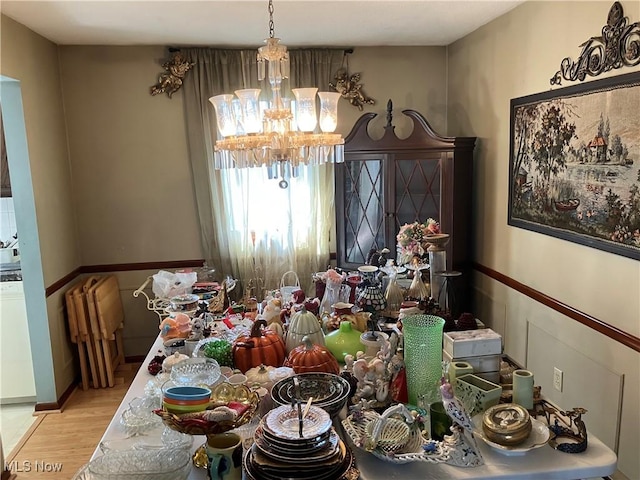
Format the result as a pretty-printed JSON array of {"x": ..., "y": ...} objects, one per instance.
[{"x": 413, "y": 239}]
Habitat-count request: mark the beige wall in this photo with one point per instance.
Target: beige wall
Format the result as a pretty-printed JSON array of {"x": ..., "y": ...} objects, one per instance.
[
  {"x": 129, "y": 158},
  {"x": 514, "y": 56},
  {"x": 131, "y": 175},
  {"x": 33, "y": 61},
  {"x": 412, "y": 77}
]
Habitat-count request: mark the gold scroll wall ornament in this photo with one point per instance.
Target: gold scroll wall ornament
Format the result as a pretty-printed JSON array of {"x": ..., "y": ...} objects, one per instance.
[
  {"x": 617, "y": 46},
  {"x": 170, "y": 80}
]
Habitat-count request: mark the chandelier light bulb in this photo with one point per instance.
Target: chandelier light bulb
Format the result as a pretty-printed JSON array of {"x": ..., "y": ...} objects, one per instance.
[
  {"x": 306, "y": 108},
  {"x": 223, "y": 105},
  {"x": 328, "y": 111},
  {"x": 250, "y": 110}
]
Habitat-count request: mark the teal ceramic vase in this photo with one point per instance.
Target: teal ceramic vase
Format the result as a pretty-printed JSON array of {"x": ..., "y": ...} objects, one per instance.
[
  {"x": 344, "y": 341},
  {"x": 423, "y": 357}
]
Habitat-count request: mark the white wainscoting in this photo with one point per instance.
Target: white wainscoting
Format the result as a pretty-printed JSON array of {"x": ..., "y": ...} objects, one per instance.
[{"x": 586, "y": 383}]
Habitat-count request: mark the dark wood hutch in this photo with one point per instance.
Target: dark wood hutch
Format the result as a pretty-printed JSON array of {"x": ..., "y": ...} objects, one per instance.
[{"x": 386, "y": 183}]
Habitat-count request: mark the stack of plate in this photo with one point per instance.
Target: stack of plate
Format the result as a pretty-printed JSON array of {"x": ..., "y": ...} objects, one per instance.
[
  {"x": 280, "y": 452},
  {"x": 329, "y": 391}
]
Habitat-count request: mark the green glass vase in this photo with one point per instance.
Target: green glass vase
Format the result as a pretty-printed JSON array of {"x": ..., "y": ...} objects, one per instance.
[
  {"x": 343, "y": 341},
  {"x": 423, "y": 357}
]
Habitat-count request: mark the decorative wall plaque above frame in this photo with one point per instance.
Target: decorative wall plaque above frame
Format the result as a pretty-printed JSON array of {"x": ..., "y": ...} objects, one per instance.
[
  {"x": 574, "y": 164},
  {"x": 617, "y": 46}
]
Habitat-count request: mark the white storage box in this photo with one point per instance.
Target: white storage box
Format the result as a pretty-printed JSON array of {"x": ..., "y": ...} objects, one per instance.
[
  {"x": 482, "y": 363},
  {"x": 472, "y": 343}
]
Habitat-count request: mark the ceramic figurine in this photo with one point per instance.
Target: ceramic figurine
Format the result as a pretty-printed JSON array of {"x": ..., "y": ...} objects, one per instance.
[
  {"x": 197, "y": 328},
  {"x": 271, "y": 315},
  {"x": 461, "y": 419},
  {"x": 373, "y": 375}
]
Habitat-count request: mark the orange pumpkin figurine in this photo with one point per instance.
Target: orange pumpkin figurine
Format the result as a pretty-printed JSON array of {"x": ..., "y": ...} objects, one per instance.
[
  {"x": 308, "y": 357},
  {"x": 261, "y": 346}
]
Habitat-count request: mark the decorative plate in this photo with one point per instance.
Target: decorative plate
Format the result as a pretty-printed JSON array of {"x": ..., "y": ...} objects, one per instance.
[
  {"x": 368, "y": 268},
  {"x": 538, "y": 437},
  {"x": 298, "y": 445},
  {"x": 319, "y": 455},
  {"x": 346, "y": 471},
  {"x": 283, "y": 422},
  {"x": 329, "y": 391},
  {"x": 320, "y": 451}
]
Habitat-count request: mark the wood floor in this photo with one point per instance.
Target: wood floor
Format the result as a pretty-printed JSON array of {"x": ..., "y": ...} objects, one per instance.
[{"x": 65, "y": 441}]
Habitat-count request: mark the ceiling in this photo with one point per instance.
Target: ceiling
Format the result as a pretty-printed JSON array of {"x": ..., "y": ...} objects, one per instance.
[{"x": 227, "y": 23}]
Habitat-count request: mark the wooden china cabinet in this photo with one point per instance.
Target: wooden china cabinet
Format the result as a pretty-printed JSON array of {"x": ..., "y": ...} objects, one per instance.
[{"x": 386, "y": 183}]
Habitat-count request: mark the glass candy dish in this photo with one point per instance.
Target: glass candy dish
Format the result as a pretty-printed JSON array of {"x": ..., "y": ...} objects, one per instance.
[
  {"x": 158, "y": 437},
  {"x": 138, "y": 464},
  {"x": 153, "y": 388},
  {"x": 138, "y": 418}
]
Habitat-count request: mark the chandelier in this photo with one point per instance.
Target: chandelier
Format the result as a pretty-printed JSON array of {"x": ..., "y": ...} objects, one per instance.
[{"x": 283, "y": 135}]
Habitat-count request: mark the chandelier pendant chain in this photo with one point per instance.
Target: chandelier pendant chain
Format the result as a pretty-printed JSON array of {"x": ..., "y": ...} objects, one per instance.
[{"x": 272, "y": 27}]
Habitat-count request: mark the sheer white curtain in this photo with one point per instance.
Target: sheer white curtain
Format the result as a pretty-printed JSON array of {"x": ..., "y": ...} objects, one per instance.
[{"x": 249, "y": 226}]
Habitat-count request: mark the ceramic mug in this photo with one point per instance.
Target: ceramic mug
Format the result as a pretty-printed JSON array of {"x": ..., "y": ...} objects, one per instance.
[{"x": 224, "y": 452}]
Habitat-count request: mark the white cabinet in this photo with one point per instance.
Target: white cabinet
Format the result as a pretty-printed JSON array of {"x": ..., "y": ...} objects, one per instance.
[{"x": 17, "y": 383}]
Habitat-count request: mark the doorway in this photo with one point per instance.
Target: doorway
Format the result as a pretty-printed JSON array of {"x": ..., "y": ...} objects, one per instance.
[{"x": 36, "y": 327}]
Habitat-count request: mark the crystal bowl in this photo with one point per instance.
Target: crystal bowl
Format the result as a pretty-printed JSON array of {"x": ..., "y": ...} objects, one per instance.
[{"x": 195, "y": 371}]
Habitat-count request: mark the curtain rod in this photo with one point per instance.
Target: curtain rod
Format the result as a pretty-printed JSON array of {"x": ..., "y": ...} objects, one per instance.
[{"x": 347, "y": 51}]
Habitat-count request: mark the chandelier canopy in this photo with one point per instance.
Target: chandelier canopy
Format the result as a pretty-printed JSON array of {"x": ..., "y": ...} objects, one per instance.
[{"x": 281, "y": 136}]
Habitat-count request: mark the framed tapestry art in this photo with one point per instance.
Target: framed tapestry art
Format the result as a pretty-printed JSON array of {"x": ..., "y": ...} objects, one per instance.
[{"x": 574, "y": 164}]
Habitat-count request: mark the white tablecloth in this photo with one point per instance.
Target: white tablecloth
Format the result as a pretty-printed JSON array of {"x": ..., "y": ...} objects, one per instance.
[{"x": 543, "y": 463}]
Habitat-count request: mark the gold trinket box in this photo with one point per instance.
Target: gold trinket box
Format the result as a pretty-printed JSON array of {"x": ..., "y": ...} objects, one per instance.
[{"x": 506, "y": 424}]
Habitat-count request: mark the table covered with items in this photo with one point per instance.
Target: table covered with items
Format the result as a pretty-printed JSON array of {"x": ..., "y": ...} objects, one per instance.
[{"x": 298, "y": 387}]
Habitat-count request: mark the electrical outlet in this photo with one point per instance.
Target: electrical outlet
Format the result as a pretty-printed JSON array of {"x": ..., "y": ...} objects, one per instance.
[{"x": 557, "y": 379}]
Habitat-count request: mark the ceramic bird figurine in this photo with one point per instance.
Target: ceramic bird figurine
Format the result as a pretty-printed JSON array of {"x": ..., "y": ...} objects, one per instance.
[
  {"x": 463, "y": 422},
  {"x": 454, "y": 407}
]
